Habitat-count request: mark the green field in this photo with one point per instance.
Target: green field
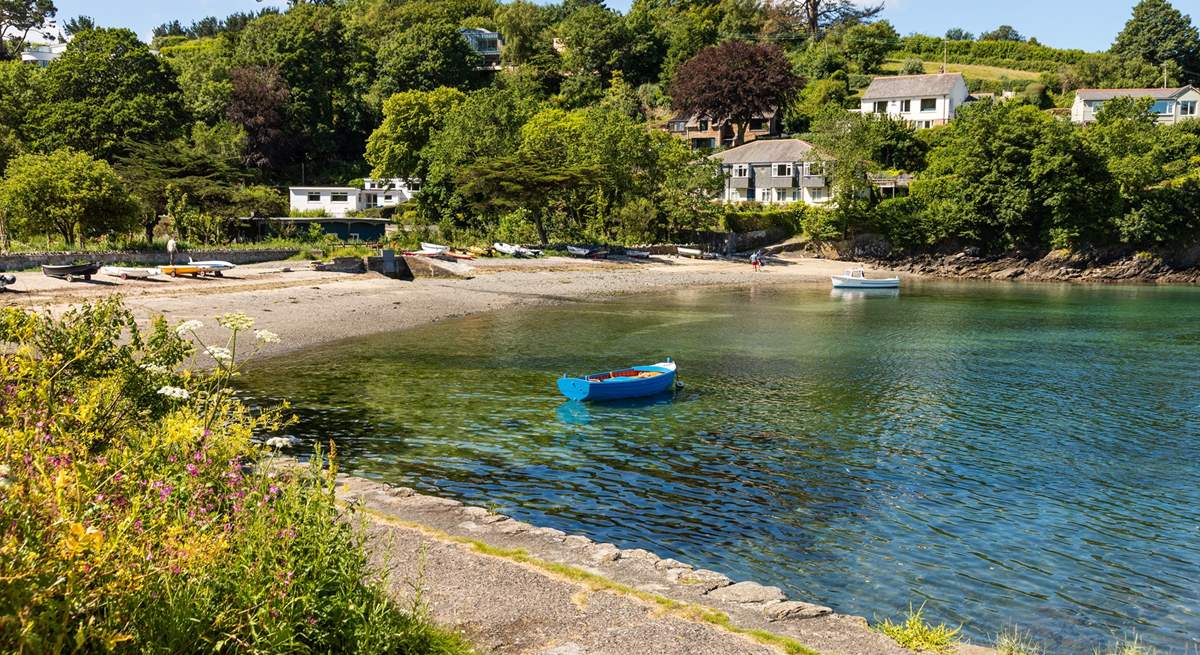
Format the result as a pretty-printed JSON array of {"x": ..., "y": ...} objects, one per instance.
[{"x": 970, "y": 71}]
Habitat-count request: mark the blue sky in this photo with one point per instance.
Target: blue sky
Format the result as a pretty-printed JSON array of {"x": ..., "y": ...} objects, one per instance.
[{"x": 1087, "y": 24}]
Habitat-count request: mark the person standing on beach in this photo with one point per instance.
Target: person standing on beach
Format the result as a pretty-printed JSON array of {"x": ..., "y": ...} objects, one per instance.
[{"x": 171, "y": 249}]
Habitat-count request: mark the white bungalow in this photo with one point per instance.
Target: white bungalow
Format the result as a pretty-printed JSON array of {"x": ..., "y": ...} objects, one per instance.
[
  {"x": 338, "y": 201},
  {"x": 1171, "y": 105}
]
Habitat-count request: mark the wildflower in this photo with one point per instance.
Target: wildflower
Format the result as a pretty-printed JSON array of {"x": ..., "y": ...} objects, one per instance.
[
  {"x": 222, "y": 355},
  {"x": 236, "y": 321},
  {"x": 283, "y": 442},
  {"x": 188, "y": 326},
  {"x": 173, "y": 392},
  {"x": 266, "y": 336},
  {"x": 192, "y": 470},
  {"x": 157, "y": 369}
]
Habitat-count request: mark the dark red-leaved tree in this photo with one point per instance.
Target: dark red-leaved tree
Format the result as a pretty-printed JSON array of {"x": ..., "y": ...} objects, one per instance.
[
  {"x": 259, "y": 104},
  {"x": 735, "y": 81}
]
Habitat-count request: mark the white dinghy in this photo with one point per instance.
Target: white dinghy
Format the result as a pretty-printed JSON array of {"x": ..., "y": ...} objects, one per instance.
[{"x": 856, "y": 278}]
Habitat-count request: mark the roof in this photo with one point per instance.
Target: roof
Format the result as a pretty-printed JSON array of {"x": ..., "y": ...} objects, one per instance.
[
  {"x": 350, "y": 189},
  {"x": 911, "y": 86},
  {"x": 762, "y": 151},
  {"x": 1109, "y": 94}
]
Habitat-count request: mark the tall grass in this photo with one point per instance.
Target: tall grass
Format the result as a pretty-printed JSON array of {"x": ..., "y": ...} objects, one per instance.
[
  {"x": 134, "y": 516},
  {"x": 918, "y": 635}
]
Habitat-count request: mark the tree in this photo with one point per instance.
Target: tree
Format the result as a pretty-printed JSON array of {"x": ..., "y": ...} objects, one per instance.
[
  {"x": 396, "y": 147},
  {"x": 516, "y": 182},
  {"x": 1159, "y": 33},
  {"x": 523, "y": 25},
  {"x": 258, "y": 103},
  {"x": 959, "y": 34},
  {"x": 19, "y": 17},
  {"x": 1008, "y": 176},
  {"x": 594, "y": 40},
  {"x": 912, "y": 66},
  {"x": 1002, "y": 33},
  {"x": 817, "y": 16},
  {"x": 67, "y": 192},
  {"x": 78, "y": 24},
  {"x": 423, "y": 58},
  {"x": 868, "y": 45},
  {"x": 106, "y": 91},
  {"x": 18, "y": 97},
  {"x": 736, "y": 82}
]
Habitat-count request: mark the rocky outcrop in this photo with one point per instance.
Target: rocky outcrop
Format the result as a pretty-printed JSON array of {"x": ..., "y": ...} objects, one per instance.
[{"x": 1059, "y": 265}]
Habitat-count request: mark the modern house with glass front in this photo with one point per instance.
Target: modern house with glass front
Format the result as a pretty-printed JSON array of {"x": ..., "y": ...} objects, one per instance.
[
  {"x": 1171, "y": 105},
  {"x": 341, "y": 201}
]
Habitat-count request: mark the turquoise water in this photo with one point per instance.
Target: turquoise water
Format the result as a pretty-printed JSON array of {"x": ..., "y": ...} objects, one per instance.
[{"x": 1006, "y": 454}]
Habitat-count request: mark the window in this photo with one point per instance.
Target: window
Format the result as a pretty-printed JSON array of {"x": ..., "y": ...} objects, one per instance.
[
  {"x": 749, "y": 194},
  {"x": 314, "y": 196},
  {"x": 881, "y": 107},
  {"x": 817, "y": 194},
  {"x": 1187, "y": 107},
  {"x": 905, "y": 106},
  {"x": 928, "y": 104},
  {"x": 781, "y": 195},
  {"x": 758, "y": 125},
  {"x": 1163, "y": 108},
  {"x": 816, "y": 168},
  {"x": 679, "y": 126},
  {"x": 741, "y": 170},
  {"x": 783, "y": 170},
  {"x": 338, "y": 197},
  {"x": 387, "y": 198},
  {"x": 414, "y": 186},
  {"x": 704, "y": 125},
  {"x": 795, "y": 194}
]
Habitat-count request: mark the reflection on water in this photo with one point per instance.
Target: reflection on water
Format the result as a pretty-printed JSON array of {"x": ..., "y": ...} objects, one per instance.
[{"x": 1013, "y": 455}]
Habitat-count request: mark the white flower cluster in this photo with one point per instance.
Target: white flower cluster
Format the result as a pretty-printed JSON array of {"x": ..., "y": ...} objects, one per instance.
[
  {"x": 236, "y": 321},
  {"x": 173, "y": 392},
  {"x": 266, "y": 336},
  {"x": 157, "y": 369},
  {"x": 4, "y": 481},
  {"x": 283, "y": 442},
  {"x": 222, "y": 355},
  {"x": 188, "y": 326}
]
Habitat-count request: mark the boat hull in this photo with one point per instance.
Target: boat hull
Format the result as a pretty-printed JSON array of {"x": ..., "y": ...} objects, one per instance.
[
  {"x": 620, "y": 384},
  {"x": 848, "y": 282},
  {"x": 126, "y": 272},
  {"x": 176, "y": 271},
  {"x": 69, "y": 272}
]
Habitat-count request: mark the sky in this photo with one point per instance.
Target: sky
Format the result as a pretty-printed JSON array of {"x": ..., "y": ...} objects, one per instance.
[{"x": 1084, "y": 24}]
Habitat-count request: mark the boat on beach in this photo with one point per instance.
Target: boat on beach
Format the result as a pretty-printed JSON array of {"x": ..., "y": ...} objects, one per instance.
[
  {"x": 71, "y": 272},
  {"x": 515, "y": 251},
  {"x": 126, "y": 272},
  {"x": 433, "y": 248},
  {"x": 213, "y": 266},
  {"x": 634, "y": 382},
  {"x": 856, "y": 278},
  {"x": 588, "y": 252},
  {"x": 6, "y": 281},
  {"x": 175, "y": 270},
  {"x": 694, "y": 253},
  {"x": 636, "y": 254}
]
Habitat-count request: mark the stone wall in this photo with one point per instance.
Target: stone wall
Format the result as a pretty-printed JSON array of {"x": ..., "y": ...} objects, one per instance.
[{"x": 27, "y": 260}]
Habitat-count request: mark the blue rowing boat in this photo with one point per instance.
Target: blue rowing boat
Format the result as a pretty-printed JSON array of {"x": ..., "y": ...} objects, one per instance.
[{"x": 636, "y": 382}]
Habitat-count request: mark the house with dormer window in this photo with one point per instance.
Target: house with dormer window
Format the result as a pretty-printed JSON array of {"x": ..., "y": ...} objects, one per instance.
[
  {"x": 703, "y": 132},
  {"x": 774, "y": 171},
  {"x": 1171, "y": 105}
]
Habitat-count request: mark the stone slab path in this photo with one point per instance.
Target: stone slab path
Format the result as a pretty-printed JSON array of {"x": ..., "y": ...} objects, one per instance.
[{"x": 514, "y": 588}]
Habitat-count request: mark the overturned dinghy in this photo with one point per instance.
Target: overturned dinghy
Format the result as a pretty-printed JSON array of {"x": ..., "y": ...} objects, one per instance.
[
  {"x": 515, "y": 251},
  {"x": 635, "y": 382}
]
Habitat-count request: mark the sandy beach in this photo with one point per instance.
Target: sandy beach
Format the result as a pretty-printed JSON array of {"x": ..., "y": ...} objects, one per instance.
[{"x": 307, "y": 308}]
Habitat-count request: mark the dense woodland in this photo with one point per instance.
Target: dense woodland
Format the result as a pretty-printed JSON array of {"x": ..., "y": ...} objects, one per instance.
[{"x": 211, "y": 120}]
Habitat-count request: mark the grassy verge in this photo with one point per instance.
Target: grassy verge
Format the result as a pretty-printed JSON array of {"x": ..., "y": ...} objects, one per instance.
[
  {"x": 970, "y": 71},
  {"x": 594, "y": 582},
  {"x": 133, "y": 519}
]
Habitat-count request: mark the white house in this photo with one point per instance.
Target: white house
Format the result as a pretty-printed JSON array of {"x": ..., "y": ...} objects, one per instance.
[
  {"x": 922, "y": 100},
  {"x": 42, "y": 45},
  {"x": 774, "y": 171},
  {"x": 41, "y": 55},
  {"x": 338, "y": 201},
  {"x": 1171, "y": 105}
]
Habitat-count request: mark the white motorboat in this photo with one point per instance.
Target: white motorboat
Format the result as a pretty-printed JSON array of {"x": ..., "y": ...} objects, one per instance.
[
  {"x": 433, "y": 249},
  {"x": 856, "y": 278},
  {"x": 126, "y": 272},
  {"x": 212, "y": 266},
  {"x": 516, "y": 251},
  {"x": 6, "y": 281}
]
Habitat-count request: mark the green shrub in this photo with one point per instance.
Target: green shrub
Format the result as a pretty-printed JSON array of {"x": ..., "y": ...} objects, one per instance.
[
  {"x": 918, "y": 635},
  {"x": 821, "y": 224},
  {"x": 307, "y": 213},
  {"x": 899, "y": 220},
  {"x": 134, "y": 517}
]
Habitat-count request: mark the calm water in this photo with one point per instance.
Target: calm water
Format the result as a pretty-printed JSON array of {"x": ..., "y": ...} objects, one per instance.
[{"x": 1010, "y": 455}]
